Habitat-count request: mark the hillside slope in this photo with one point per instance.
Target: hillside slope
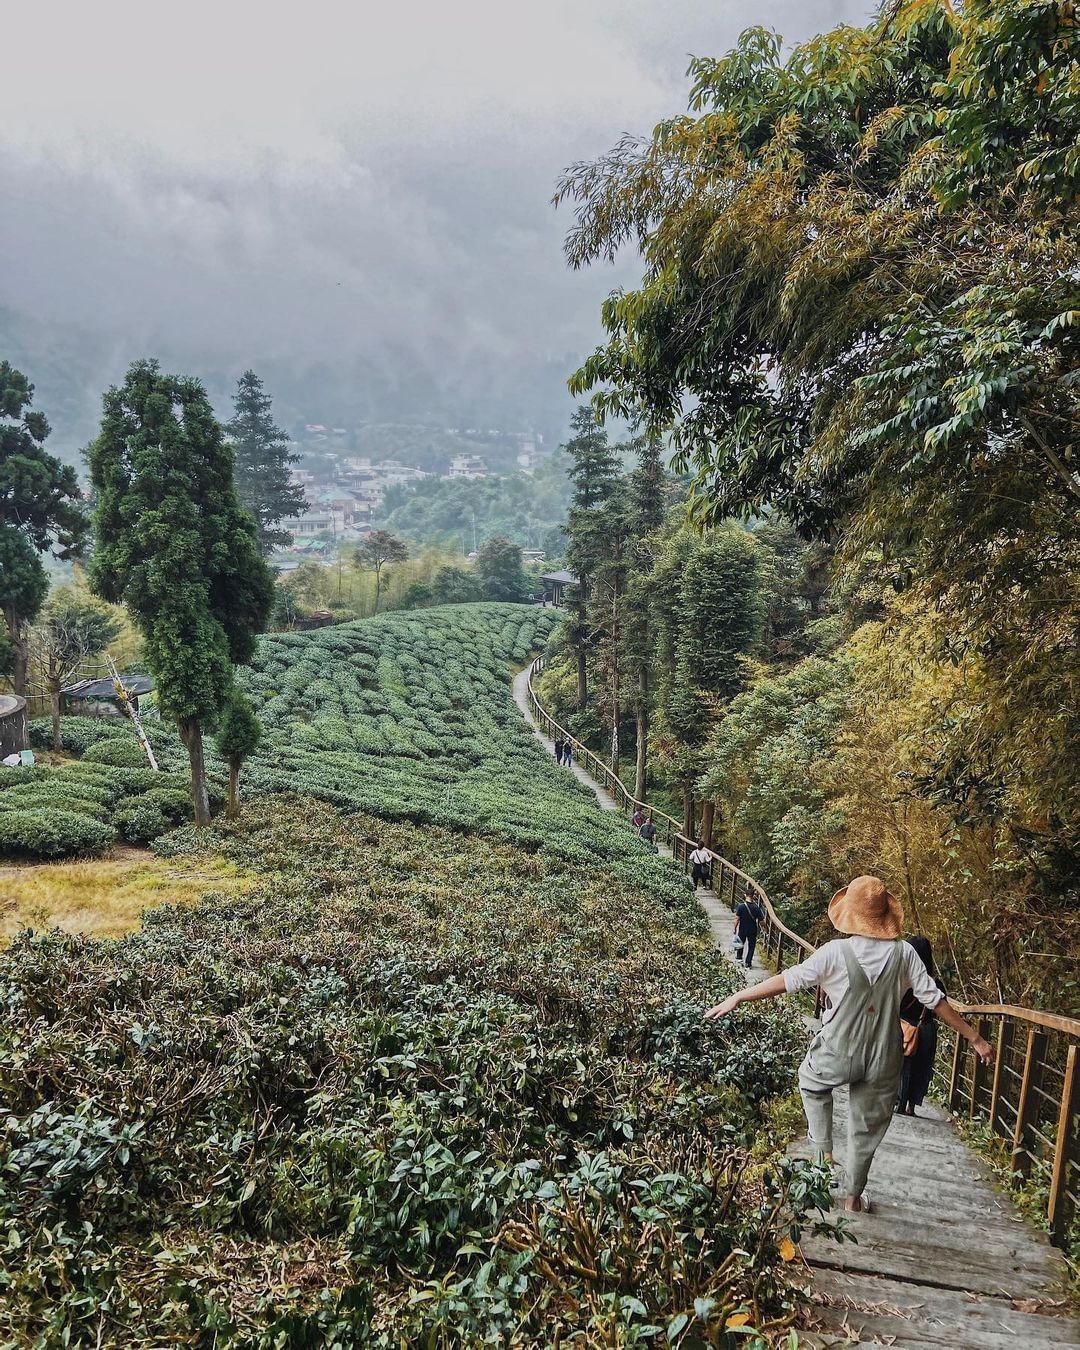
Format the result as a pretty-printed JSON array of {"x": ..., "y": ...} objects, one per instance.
[{"x": 423, "y": 1084}]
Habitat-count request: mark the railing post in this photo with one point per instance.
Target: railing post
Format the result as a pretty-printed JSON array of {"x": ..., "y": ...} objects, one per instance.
[
  {"x": 954, "y": 1074},
  {"x": 1058, "y": 1210},
  {"x": 1004, "y": 1045},
  {"x": 1025, "y": 1107},
  {"x": 978, "y": 1074}
]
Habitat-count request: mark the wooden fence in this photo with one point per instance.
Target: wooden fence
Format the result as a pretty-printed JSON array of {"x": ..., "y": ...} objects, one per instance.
[
  {"x": 1030, "y": 1098},
  {"x": 776, "y": 941}
]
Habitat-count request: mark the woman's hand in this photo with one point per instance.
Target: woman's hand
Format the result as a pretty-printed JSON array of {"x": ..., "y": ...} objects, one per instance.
[
  {"x": 722, "y": 1009},
  {"x": 983, "y": 1049}
]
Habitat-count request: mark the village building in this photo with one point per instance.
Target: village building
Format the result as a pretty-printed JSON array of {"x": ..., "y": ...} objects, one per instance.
[
  {"x": 468, "y": 466},
  {"x": 98, "y": 698},
  {"x": 556, "y": 586}
]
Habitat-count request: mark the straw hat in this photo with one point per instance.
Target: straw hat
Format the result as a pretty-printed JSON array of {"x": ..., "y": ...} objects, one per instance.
[{"x": 865, "y": 908}]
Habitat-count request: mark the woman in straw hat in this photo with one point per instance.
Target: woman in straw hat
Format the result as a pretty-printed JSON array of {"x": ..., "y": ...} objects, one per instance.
[{"x": 864, "y": 976}]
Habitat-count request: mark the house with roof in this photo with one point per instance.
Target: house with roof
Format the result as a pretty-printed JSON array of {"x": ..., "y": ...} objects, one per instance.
[
  {"x": 97, "y": 698},
  {"x": 556, "y": 586}
]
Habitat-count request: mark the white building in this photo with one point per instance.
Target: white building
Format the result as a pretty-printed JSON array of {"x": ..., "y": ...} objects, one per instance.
[{"x": 468, "y": 466}]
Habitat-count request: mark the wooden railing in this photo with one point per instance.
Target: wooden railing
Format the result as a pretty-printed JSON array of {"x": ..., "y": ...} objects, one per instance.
[
  {"x": 776, "y": 941},
  {"x": 1030, "y": 1098}
]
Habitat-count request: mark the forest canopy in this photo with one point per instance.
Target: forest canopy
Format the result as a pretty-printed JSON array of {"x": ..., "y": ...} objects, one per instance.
[{"x": 859, "y": 310}]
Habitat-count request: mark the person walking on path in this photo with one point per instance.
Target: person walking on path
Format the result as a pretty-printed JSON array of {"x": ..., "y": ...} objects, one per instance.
[
  {"x": 559, "y": 747},
  {"x": 865, "y": 976},
  {"x": 638, "y": 818},
  {"x": 568, "y": 753},
  {"x": 920, "y": 1039},
  {"x": 648, "y": 833},
  {"x": 700, "y": 862},
  {"x": 748, "y": 914}
]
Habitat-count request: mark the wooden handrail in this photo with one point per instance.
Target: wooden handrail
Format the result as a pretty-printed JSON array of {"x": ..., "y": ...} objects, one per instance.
[
  {"x": 1070, "y": 1026},
  {"x": 1041, "y": 1126},
  {"x": 681, "y": 844}
]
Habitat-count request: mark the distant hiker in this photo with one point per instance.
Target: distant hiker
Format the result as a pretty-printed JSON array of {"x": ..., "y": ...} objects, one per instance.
[
  {"x": 700, "y": 860},
  {"x": 568, "y": 754},
  {"x": 648, "y": 833},
  {"x": 919, "y": 1029},
  {"x": 559, "y": 744},
  {"x": 638, "y": 818},
  {"x": 859, "y": 1046},
  {"x": 748, "y": 914}
]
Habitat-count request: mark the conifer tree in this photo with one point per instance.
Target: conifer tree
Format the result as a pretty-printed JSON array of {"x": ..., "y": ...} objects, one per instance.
[
  {"x": 594, "y": 473},
  {"x": 237, "y": 737},
  {"x": 261, "y": 464},
  {"x": 647, "y": 514},
  {"x": 40, "y": 512},
  {"x": 175, "y": 545}
]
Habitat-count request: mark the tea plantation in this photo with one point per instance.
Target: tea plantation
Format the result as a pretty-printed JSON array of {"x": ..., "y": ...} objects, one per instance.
[
  {"x": 407, "y": 716},
  {"x": 439, "y": 1078}
]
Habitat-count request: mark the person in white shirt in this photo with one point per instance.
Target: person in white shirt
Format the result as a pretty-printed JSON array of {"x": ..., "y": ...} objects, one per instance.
[
  {"x": 865, "y": 977},
  {"x": 700, "y": 859}
]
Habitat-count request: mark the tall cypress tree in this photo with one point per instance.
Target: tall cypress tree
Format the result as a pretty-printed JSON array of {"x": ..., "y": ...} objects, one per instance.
[
  {"x": 594, "y": 473},
  {"x": 174, "y": 545},
  {"x": 647, "y": 515},
  {"x": 262, "y": 459},
  {"x": 40, "y": 512}
]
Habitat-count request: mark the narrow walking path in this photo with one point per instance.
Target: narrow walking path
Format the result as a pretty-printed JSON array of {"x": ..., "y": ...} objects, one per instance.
[
  {"x": 717, "y": 910},
  {"x": 944, "y": 1259}
]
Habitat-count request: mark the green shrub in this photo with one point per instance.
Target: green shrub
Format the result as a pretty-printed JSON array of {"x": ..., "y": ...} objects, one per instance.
[
  {"x": 139, "y": 820},
  {"x": 50, "y": 833},
  {"x": 174, "y": 802},
  {"x": 118, "y": 753},
  {"x": 46, "y": 797}
]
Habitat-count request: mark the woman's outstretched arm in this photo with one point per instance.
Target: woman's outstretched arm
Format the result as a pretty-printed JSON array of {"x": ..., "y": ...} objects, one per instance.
[
  {"x": 948, "y": 1014},
  {"x": 750, "y": 994}
]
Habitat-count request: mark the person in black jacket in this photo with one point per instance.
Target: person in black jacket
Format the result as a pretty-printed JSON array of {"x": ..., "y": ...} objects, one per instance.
[
  {"x": 748, "y": 915},
  {"x": 918, "y": 1067}
]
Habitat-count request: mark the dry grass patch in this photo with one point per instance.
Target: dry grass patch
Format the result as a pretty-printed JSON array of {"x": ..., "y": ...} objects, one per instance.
[{"x": 104, "y": 897}]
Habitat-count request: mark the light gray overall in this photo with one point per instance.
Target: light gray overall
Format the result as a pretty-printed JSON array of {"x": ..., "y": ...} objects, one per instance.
[{"x": 861, "y": 1047}]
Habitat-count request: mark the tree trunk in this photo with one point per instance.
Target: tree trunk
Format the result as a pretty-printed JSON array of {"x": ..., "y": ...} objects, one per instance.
[
  {"x": 616, "y": 692},
  {"x": 232, "y": 810},
  {"x": 640, "y": 771},
  {"x": 582, "y": 668},
  {"x": 708, "y": 810},
  {"x": 688, "y": 812},
  {"x": 191, "y": 735},
  {"x": 378, "y": 587},
  {"x": 54, "y": 701},
  {"x": 19, "y": 635}
]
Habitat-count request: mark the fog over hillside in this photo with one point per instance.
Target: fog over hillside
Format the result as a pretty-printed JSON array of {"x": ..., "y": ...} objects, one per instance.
[{"x": 354, "y": 200}]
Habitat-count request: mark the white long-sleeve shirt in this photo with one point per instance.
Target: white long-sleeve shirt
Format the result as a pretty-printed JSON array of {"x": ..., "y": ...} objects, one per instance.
[{"x": 827, "y": 970}]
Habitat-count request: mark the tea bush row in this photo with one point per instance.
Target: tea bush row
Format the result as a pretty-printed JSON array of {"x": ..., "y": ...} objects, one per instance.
[
  {"x": 416, "y": 1087},
  {"x": 407, "y": 716},
  {"x": 98, "y": 803}
]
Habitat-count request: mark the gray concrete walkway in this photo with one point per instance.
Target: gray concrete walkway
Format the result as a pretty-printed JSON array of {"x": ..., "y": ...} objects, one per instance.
[{"x": 944, "y": 1259}]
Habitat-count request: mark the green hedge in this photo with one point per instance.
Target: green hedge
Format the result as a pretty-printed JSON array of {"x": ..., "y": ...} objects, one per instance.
[
  {"x": 119, "y": 753},
  {"x": 139, "y": 820},
  {"x": 51, "y": 833}
]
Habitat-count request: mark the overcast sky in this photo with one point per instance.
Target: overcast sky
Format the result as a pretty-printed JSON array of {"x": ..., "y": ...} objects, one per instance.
[{"x": 352, "y": 184}]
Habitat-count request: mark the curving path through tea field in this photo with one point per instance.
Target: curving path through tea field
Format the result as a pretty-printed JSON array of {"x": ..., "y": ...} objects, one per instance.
[{"x": 944, "y": 1259}]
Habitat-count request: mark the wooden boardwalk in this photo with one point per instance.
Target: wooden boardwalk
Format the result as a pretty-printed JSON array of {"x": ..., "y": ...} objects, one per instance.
[{"x": 943, "y": 1259}]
